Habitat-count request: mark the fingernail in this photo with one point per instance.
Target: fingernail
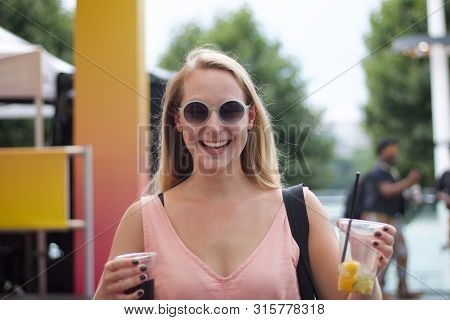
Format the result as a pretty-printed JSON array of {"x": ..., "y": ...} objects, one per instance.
[
  {"x": 135, "y": 262},
  {"x": 375, "y": 243},
  {"x": 143, "y": 277},
  {"x": 142, "y": 267},
  {"x": 377, "y": 234},
  {"x": 386, "y": 229},
  {"x": 381, "y": 258},
  {"x": 140, "y": 293}
]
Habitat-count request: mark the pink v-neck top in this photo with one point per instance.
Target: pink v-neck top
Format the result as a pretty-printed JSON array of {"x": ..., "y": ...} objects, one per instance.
[{"x": 269, "y": 273}]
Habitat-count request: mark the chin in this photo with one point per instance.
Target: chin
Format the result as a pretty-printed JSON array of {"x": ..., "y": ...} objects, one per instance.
[
  {"x": 213, "y": 167},
  {"x": 211, "y": 164}
]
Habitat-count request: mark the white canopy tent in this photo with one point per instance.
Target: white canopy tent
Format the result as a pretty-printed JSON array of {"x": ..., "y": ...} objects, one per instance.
[{"x": 27, "y": 71}]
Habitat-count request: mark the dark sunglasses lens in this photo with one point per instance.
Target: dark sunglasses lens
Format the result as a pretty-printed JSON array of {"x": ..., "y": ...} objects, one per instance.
[
  {"x": 196, "y": 112},
  {"x": 231, "y": 111}
]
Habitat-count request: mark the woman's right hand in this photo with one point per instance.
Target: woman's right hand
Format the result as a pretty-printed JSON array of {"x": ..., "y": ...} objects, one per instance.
[{"x": 120, "y": 275}]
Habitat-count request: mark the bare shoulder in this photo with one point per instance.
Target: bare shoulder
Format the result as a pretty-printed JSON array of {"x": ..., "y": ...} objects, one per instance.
[
  {"x": 133, "y": 212},
  {"x": 320, "y": 224},
  {"x": 315, "y": 209},
  {"x": 129, "y": 234}
]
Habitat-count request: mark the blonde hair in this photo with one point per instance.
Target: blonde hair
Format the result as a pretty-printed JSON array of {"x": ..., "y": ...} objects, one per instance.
[{"x": 259, "y": 159}]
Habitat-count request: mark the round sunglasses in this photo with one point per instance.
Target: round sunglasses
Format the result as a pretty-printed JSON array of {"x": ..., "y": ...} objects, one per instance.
[{"x": 197, "y": 112}]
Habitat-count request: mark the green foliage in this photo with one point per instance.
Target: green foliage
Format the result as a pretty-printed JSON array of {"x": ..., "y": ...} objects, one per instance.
[
  {"x": 399, "y": 103},
  {"x": 20, "y": 132},
  {"x": 279, "y": 82},
  {"x": 361, "y": 159},
  {"x": 16, "y": 133},
  {"x": 36, "y": 20}
]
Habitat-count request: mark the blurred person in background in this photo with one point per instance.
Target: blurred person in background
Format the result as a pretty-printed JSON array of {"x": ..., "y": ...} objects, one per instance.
[
  {"x": 443, "y": 193},
  {"x": 385, "y": 202}
]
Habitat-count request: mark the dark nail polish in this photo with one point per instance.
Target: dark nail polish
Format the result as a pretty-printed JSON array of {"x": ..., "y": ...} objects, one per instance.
[
  {"x": 378, "y": 234},
  {"x": 140, "y": 293},
  {"x": 142, "y": 267},
  {"x": 386, "y": 229},
  {"x": 135, "y": 262},
  {"x": 381, "y": 258},
  {"x": 142, "y": 277},
  {"x": 375, "y": 243}
]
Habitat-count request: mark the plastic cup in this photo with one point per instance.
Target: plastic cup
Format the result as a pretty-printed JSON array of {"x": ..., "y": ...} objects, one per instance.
[
  {"x": 358, "y": 271},
  {"x": 147, "y": 258}
]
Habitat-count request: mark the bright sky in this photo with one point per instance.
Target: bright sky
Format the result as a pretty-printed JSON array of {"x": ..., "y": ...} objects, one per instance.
[{"x": 324, "y": 36}]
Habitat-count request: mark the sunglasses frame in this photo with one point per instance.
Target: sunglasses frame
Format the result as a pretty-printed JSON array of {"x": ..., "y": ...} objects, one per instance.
[{"x": 210, "y": 111}]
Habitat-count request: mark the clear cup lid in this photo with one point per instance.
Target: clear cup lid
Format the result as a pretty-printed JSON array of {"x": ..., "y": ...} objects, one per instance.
[
  {"x": 359, "y": 226},
  {"x": 138, "y": 256}
]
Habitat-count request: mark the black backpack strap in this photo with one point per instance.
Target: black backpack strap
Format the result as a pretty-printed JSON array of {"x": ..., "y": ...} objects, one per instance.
[
  {"x": 294, "y": 201},
  {"x": 161, "y": 197}
]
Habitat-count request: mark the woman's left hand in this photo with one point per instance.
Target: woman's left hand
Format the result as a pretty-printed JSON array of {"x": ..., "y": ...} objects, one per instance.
[{"x": 383, "y": 242}]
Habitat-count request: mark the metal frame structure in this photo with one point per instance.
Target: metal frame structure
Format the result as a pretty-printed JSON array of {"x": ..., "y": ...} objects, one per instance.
[{"x": 73, "y": 224}]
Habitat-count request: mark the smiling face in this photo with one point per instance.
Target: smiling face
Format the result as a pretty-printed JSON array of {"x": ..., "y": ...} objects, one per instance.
[{"x": 214, "y": 145}]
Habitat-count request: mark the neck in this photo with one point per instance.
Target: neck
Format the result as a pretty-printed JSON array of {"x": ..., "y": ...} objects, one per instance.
[{"x": 219, "y": 185}]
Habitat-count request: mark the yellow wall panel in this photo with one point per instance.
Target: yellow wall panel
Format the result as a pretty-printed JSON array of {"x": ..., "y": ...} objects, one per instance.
[{"x": 33, "y": 189}]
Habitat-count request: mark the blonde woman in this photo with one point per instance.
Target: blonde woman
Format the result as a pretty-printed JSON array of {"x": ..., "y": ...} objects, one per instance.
[{"x": 219, "y": 224}]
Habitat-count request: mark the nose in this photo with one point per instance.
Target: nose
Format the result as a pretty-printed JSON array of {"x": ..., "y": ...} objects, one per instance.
[
  {"x": 213, "y": 127},
  {"x": 214, "y": 120}
]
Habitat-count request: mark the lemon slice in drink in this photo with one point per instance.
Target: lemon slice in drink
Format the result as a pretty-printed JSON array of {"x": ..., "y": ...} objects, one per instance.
[
  {"x": 350, "y": 267},
  {"x": 364, "y": 285},
  {"x": 348, "y": 275}
]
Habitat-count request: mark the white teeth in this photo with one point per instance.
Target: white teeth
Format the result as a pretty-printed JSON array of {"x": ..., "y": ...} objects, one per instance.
[{"x": 215, "y": 144}]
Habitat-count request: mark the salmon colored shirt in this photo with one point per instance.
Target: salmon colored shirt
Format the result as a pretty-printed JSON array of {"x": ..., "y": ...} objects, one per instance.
[{"x": 269, "y": 273}]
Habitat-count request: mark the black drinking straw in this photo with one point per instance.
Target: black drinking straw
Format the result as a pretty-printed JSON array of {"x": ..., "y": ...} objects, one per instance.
[{"x": 347, "y": 235}]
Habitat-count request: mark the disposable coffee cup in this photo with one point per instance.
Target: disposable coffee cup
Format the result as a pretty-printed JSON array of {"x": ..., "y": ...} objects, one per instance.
[
  {"x": 148, "y": 259},
  {"x": 358, "y": 270}
]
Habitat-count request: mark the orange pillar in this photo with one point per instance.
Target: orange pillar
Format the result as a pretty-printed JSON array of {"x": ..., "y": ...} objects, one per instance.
[{"x": 111, "y": 104}]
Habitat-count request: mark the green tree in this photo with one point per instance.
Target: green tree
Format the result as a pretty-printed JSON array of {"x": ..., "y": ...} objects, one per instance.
[
  {"x": 399, "y": 104},
  {"x": 36, "y": 20},
  {"x": 305, "y": 147},
  {"x": 33, "y": 20}
]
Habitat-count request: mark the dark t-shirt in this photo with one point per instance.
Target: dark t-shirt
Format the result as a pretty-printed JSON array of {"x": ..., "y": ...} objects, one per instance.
[
  {"x": 443, "y": 183},
  {"x": 375, "y": 201}
]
